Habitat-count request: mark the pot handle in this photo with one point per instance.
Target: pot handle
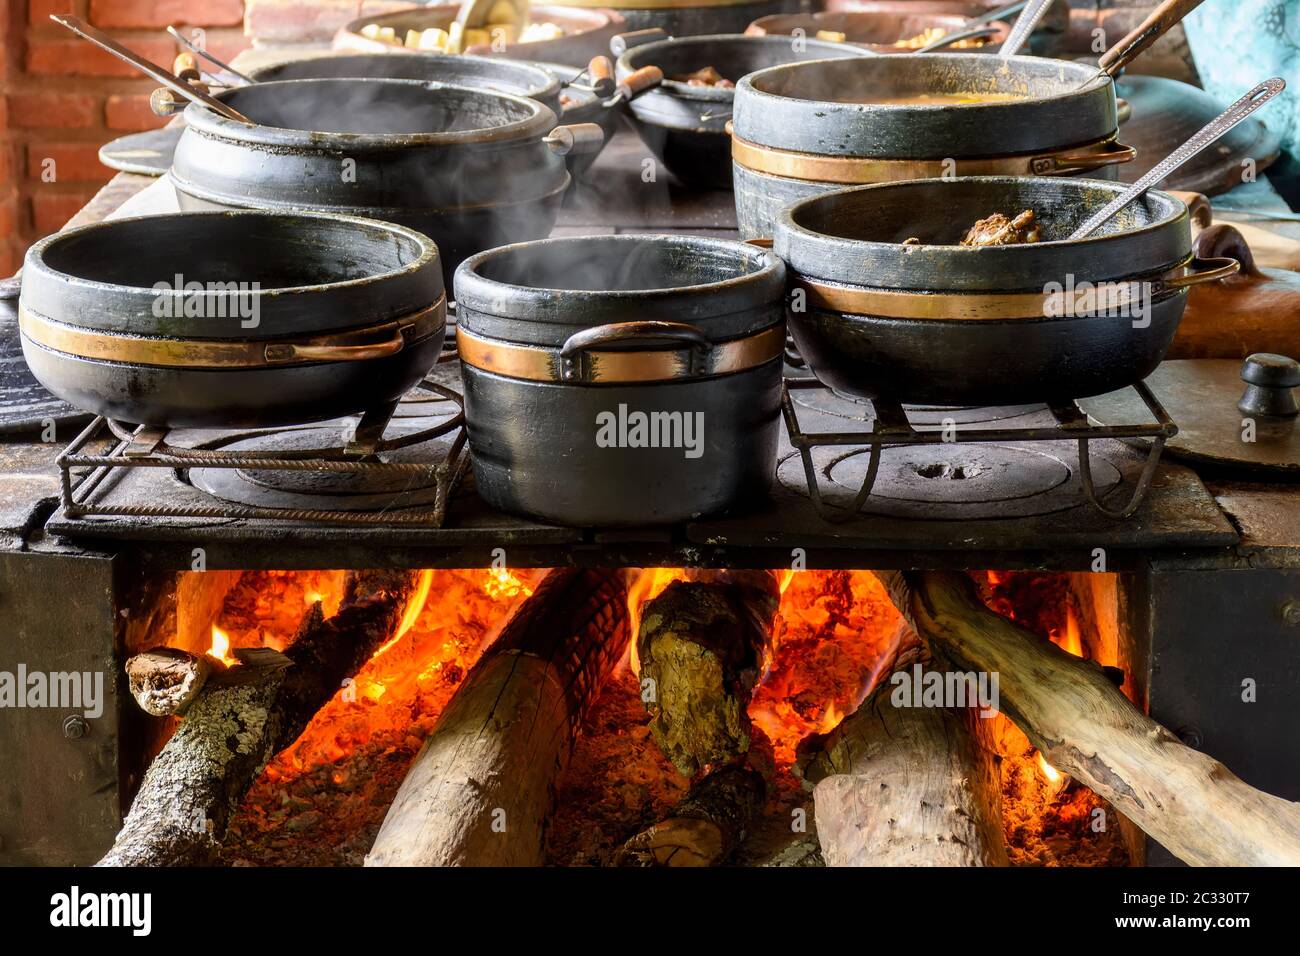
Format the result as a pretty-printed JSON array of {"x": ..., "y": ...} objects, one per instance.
[
  {"x": 11, "y": 287},
  {"x": 576, "y": 139},
  {"x": 636, "y": 83},
  {"x": 288, "y": 352},
  {"x": 620, "y": 43},
  {"x": 580, "y": 342},
  {"x": 1123, "y": 110},
  {"x": 1210, "y": 270},
  {"x": 1082, "y": 162}
]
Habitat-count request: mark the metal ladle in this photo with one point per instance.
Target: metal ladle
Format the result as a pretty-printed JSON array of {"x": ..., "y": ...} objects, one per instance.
[
  {"x": 148, "y": 68},
  {"x": 1024, "y": 25},
  {"x": 1207, "y": 135}
]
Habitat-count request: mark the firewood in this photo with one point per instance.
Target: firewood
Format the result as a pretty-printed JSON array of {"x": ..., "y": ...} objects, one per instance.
[
  {"x": 481, "y": 789},
  {"x": 701, "y": 647},
  {"x": 165, "y": 680},
  {"x": 239, "y": 721},
  {"x": 1084, "y": 726},
  {"x": 905, "y": 786},
  {"x": 705, "y": 827}
]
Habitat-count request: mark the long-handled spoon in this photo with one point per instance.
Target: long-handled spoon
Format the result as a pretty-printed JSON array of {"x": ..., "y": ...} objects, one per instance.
[
  {"x": 199, "y": 51},
  {"x": 1210, "y": 133},
  {"x": 1024, "y": 25},
  {"x": 149, "y": 69}
]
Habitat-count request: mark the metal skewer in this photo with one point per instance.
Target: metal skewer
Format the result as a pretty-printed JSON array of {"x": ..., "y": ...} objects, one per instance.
[
  {"x": 149, "y": 69},
  {"x": 199, "y": 51}
]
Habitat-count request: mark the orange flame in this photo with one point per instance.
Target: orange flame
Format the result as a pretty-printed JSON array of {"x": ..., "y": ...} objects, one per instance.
[
  {"x": 648, "y": 585},
  {"x": 1046, "y": 769},
  {"x": 220, "y": 648}
]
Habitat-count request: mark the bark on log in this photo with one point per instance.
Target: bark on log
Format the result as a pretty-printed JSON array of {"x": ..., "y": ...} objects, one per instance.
[
  {"x": 1086, "y": 727},
  {"x": 481, "y": 788},
  {"x": 239, "y": 722},
  {"x": 703, "y": 643},
  {"x": 905, "y": 786},
  {"x": 705, "y": 827}
]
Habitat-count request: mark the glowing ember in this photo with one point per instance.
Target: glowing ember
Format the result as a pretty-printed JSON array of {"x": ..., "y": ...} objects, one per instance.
[
  {"x": 501, "y": 583},
  {"x": 220, "y": 648},
  {"x": 835, "y": 631}
]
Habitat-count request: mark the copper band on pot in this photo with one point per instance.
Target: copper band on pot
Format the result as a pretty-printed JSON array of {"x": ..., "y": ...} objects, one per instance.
[
  {"x": 374, "y": 341},
  {"x": 1081, "y": 299},
  {"x": 861, "y": 170},
  {"x": 610, "y": 367}
]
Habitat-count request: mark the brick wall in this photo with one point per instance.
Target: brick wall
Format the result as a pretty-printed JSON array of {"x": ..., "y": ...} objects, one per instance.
[{"x": 61, "y": 99}]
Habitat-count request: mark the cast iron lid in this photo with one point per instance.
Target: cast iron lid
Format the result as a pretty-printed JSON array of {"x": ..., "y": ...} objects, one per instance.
[
  {"x": 802, "y": 106},
  {"x": 542, "y": 292},
  {"x": 315, "y": 115},
  {"x": 854, "y": 236},
  {"x": 314, "y": 272}
]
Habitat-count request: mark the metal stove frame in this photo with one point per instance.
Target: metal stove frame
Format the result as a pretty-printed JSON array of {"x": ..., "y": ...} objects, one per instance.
[
  {"x": 146, "y": 447},
  {"x": 890, "y": 426}
]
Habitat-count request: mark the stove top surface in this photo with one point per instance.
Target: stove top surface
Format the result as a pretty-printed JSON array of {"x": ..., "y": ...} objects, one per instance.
[{"x": 993, "y": 496}]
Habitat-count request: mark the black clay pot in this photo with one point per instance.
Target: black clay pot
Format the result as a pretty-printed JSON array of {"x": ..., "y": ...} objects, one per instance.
[
  {"x": 686, "y": 126},
  {"x": 294, "y": 318},
  {"x": 466, "y": 167},
  {"x": 944, "y": 324},
  {"x": 621, "y": 380},
  {"x": 798, "y": 131},
  {"x": 701, "y": 19},
  {"x": 545, "y": 82}
]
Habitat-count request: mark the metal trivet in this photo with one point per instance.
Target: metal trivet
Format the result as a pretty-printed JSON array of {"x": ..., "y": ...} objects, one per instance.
[
  {"x": 147, "y": 447},
  {"x": 890, "y": 427}
]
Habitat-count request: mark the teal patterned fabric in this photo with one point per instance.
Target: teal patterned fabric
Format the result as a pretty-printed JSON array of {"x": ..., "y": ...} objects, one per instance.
[{"x": 1238, "y": 43}]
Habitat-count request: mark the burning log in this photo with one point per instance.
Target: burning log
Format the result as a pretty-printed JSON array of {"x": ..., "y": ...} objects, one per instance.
[
  {"x": 1086, "y": 727},
  {"x": 702, "y": 645},
  {"x": 706, "y": 826},
  {"x": 905, "y": 786},
  {"x": 480, "y": 790},
  {"x": 165, "y": 680},
  {"x": 244, "y": 716}
]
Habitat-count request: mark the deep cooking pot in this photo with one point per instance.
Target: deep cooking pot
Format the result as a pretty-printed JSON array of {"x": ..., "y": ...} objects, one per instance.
[
  {"x": 690, "y": 18},
  {"x": 944, "y": 324},
  {"x": 467, "y": 167},
  {"x": 795, "y": 135},
  {"x": 686, "y": 126},
  {"x": 574, "y": 352},
  {"x": 548, "y": 83},
  {"x": 323, "y": 316}
]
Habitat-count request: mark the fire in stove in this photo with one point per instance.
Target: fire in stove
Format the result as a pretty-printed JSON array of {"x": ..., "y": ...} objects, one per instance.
[{"x": 659, "y": 717}]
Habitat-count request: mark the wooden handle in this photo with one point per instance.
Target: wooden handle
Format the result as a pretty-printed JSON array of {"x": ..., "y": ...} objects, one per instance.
[
  {"x": 641, "y": 80},
  {"x": 1146, "y": 33},
  {"x": 1222, "y": 241},
  {"x": 600, "y": 72},
  {"x": 186, "y": 67}
]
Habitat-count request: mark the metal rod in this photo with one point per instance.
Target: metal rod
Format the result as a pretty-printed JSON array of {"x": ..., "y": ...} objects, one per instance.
[
  {"x": 199, "y": 51},
  {"x": 1024, "y": 25},
  {"x": 149, "y": 69}
]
